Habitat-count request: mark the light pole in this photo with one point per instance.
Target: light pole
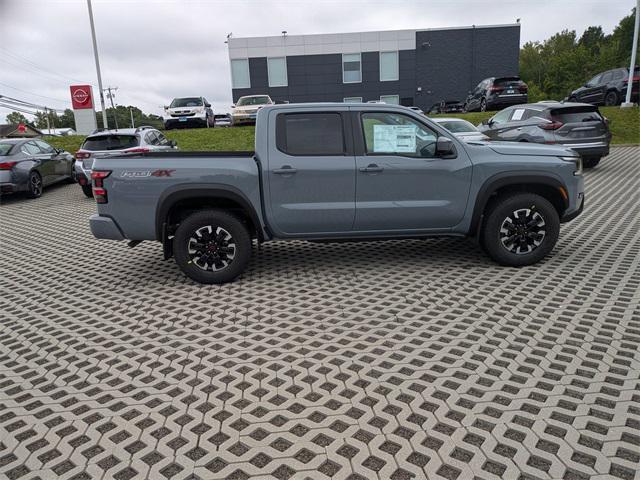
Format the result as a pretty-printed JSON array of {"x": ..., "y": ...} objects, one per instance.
[
  {"x": 113, "y": 107},
  {"x": 105, "y": 124},
  {"x": 634, "y": 47}
]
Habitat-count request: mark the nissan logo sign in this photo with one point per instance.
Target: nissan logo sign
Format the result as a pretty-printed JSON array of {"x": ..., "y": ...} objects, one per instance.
[{"x": 80, "y": 96}]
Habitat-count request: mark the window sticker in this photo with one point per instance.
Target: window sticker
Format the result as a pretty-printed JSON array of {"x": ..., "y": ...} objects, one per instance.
[
  {"x": 394, "y": 138},
  {"x": 517, "y": 115}
]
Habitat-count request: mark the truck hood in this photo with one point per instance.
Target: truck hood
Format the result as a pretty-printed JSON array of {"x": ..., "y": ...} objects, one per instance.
[{"x": 522, "y": 148}]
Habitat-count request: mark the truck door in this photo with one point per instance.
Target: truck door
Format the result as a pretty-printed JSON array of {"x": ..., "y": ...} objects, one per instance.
[
  {"x": 402, "y": 185},
  {"x": 311, "y": 173}
]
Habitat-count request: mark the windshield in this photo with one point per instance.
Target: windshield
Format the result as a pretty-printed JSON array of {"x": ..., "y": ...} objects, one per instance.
[
  {"x": 186, "y": 102},
  {"x": 109, "y": 142},
  {"x": 244, "y": 101},
  {"x": 5, "y": 148},
  {"x": 458, "y": 126}
]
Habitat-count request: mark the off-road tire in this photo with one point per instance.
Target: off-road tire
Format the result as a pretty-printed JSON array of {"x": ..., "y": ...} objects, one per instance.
[
  {"x": 87, "y": 190},
  {"x": 191, "y": 263},
  {"x": 495, "y": 232}
]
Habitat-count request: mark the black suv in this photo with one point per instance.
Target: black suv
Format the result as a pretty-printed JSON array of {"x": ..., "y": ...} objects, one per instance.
[
  {"x": 608, "y": 88},
  {"x": 497, "y": 92}
]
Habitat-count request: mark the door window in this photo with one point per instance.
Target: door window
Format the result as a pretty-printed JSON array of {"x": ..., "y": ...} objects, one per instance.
[
  {"x": 594, "y": 81},
  {"x": 397, "y": 134},
  {"x": 518, "y": 115},
  {"x": 501, "y": 117},
  {"x": 45, "y": 147},
  {"x": 607, "y": 77},
  {"x": 30, "y": 148},
  {"x": 150, "y": 138},
  {"x": 162, "y": 140},
  {"x": 310, "y": 134}
]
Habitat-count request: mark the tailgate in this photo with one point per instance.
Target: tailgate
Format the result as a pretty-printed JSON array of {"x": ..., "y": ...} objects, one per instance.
[{"x": 582, "y": 124}]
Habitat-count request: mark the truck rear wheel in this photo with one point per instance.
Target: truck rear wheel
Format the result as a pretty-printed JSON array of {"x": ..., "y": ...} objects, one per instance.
[
  {"x": 212, "y": 246},
  {"x": 520, "y": 229}
]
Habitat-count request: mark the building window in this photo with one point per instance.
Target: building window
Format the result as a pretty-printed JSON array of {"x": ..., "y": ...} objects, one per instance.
[
  {"x": 310, "y": 134},
  {"x": 240, "y": 73},
  {"x": 390, "y": 99},
  {"x": 351, "y": 68},
  {"x": 388, "y": 66},
  {"x": 352, "y": 100},
  {"x": 277, "y": 70}
]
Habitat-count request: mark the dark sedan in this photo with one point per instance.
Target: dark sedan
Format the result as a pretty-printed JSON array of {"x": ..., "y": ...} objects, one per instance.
[{"x": 29, "y": 165}]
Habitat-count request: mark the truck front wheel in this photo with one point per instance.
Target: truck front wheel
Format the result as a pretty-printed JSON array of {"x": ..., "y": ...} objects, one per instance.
[
  {"x": 520, "y": 229},
  {"x": 212, "y": 246}
]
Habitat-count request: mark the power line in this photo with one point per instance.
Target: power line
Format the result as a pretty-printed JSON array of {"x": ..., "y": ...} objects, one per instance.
[
  {"x": 22, "y": 103},
  {"x": 35, "y": 65},
  {"x": 34, "y": 94}
]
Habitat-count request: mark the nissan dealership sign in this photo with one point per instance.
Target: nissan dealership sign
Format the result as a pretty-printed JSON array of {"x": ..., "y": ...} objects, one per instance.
[{"x": 83, "y": 110}]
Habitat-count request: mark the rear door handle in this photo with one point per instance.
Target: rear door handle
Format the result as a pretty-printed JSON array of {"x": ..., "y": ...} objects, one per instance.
[
  {"x": 371, "y": 168},
  {"x": 285, "y": 170}
]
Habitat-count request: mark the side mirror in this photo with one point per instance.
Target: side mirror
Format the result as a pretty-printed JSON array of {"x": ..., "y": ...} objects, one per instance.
[
  {"x": 165, "y": 107},
  {"x": 208, "y": 105},
  {"x": 173, "y": 143},
  {"x": 445, "y": 147},
  {"x": 233, "y": 106}
]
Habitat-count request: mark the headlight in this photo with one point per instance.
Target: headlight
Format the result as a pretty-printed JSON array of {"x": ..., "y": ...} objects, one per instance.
[{"x": 577, "y": 161}]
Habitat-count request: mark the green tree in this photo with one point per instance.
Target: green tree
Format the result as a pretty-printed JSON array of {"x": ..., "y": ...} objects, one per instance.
[{"x": 14, "y": 118}]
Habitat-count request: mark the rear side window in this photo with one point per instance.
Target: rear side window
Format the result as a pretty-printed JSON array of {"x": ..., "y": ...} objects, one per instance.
[
  {"x": 5, "y": 148},
  {"x": 619, "y": 74},
  {"x": 31, "y": 148},
  {"x": 110, "y": 142},
  {"x": 576, "y": 115},
  {"x": 310, "y": 134}
]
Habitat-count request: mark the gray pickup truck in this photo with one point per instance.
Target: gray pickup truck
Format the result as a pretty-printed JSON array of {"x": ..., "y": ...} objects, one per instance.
[{"x": 338, "y": 172}]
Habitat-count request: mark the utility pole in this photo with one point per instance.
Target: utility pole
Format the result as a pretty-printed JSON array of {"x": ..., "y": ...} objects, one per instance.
[
  {"x": 133, "y": 125},
  {"x": 110, "y": 96},
  {"x": 105, "y": 124},
  {"x": 634, "y": 50},
  {"x": 46, "y": 115}
]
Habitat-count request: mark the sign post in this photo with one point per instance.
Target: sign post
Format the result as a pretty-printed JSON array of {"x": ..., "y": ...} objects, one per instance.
[{"x": 83, "y": 109}]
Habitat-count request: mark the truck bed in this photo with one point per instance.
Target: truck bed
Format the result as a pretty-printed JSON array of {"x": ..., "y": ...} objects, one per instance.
[{"x": 138, "y": 184}]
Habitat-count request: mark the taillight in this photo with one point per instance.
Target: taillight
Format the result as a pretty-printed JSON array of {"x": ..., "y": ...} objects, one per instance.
[
  {"x": 555, "y": 125},
  {"x": 496, "y": 89},
  {"x": 81, "y": 155},
  {"x": 136, "y": 150},
  {"x": 99, "y": 192},
  {"x": 7, "y": 165}
]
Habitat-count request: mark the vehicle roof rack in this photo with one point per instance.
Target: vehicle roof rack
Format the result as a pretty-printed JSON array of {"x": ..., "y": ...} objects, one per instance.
[{"x": 143, "y": 127}]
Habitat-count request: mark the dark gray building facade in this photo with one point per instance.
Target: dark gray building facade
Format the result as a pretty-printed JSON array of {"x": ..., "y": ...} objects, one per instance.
[{"x": 411, "y": 67}]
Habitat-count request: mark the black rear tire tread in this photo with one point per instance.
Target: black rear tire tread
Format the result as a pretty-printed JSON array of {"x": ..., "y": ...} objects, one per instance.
[
  {"x": 502, "y": 207},
  {"x": 87, "y": 190},
  {"x": 30, "y": 192},
  {"x": 221, "y": 218}
]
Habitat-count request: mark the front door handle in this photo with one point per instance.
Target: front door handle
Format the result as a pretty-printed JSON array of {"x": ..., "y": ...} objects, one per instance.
[
  {"x": 371, "y": 168},
  {"x": 285, "y": 170}
]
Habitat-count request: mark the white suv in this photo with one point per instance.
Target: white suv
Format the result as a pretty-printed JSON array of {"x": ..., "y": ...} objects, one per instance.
[{"x": 188, "y": 112}]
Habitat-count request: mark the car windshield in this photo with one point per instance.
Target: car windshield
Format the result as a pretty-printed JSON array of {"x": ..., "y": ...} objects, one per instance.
[
  {"x": 109, "y": 142},
  {"x": 186, "y": 102},
  {"x": 458, "y": 126},
  {"x": 5, "y": 148},
  {"x": 244, "y": 101},
  {"x": 576, "y": 115}
]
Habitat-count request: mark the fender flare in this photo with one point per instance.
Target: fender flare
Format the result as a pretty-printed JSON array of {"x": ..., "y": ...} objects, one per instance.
[
  {"x": 177, "y": 193},
  {"x": 505, "y": 179}
]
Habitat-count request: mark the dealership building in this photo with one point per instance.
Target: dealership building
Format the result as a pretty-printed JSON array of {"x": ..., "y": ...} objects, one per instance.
[{"x": 410, "y": 67}]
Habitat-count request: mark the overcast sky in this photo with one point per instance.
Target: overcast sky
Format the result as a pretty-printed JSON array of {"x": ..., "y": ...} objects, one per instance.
[{"x": 156, "y": 50}]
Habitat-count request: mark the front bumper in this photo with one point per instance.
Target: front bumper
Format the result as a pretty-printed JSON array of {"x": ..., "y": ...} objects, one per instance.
[
  {"x": 184, "y": 122},
  {"x": 105, "y": 227},
  {"x": 571, "y": 214},
  {"x": 240, "y": 118},
  {"x": 592, "y": 149}
]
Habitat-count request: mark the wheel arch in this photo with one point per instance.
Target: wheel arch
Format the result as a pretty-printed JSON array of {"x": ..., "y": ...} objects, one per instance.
[
  {"x": 547, "y": 186},
  {"x": 178, "y": 201}
]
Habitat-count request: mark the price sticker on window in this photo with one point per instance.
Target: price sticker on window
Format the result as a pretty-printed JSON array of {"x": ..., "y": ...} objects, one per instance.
[{"x": 394, "y": 138}]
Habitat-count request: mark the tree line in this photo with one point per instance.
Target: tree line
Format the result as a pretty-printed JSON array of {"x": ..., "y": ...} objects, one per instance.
[
  {"x": 122, "y": 114},
  {"x": 564, "y": 62}
]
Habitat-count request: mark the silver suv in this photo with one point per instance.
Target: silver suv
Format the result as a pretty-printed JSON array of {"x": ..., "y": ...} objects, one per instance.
[{"x": 106, "y": 143}]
